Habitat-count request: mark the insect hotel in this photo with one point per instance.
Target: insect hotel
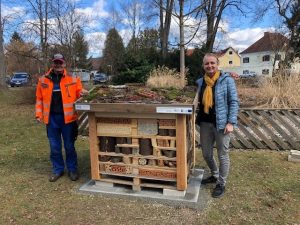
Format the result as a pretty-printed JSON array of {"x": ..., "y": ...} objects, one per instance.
[{"x": 139, "y": 139}]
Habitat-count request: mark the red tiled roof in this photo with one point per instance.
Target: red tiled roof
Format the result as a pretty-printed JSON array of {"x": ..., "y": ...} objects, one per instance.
[
  {"x": 96, "y": 63},
  {"x": 190, "y": 52},
  {"x": 269, "y": 42},
  {"x": 222, "y": 52}
]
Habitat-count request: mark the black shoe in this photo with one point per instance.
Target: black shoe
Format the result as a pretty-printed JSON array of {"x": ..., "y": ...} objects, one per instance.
[
  {"x": 218, "y": 191},
  {"x": 209, "y": 180},
  {"x": 73, "y": 175},
  {"x": 55, "y": 176}
]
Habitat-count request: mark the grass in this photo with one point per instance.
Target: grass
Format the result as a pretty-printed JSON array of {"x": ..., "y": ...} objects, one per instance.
[{"x": 263, "y": 187}]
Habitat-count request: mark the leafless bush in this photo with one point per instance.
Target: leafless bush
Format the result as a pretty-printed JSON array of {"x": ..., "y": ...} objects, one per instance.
[{"x": 163, "y": 77}]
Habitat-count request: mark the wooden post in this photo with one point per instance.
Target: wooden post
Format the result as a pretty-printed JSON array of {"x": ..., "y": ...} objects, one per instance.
[
  {"x": 136, "y": 184},
  {"x": 181, "y": 152},
  {"x": 94, "y": 146},
  {"x": 194, "y": 138}
]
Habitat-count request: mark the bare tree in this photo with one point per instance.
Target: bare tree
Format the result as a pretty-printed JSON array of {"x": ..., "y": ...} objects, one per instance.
[
  {"x": 182, "y": 54},
  {"x": 2, "y": 62},
  {"x": 39, "y": 25},
  {"x": 54, "y": 23},
  {"x": 182, "y": 17},
  {"x": 214, "y": 10},
  {"x": 114, "y": 19},
  {"x": 67, "y": 23},
  {"x": 290, "y": 12},
  {"x": 4, "y": 23},
  {"x": 133, "y": 10},
  {"x": 165, "y": 16},
  {"x": 134, "y": 17},
  {"x": 21, "y": 56}
]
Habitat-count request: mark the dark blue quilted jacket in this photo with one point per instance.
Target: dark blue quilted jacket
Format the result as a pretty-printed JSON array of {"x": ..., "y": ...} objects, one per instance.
[{"x": 225, "y": 99}]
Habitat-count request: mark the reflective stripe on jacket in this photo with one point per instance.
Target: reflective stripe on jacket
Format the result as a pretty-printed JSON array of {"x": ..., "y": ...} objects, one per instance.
[{"x": 70, "y": 87}]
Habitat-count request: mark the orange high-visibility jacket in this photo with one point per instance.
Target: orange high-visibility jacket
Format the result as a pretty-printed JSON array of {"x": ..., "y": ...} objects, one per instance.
[{"x": 70, "y": 87}]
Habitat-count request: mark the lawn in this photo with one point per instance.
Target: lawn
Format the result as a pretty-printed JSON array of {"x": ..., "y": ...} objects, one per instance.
[{"x": 263, "y": 187}]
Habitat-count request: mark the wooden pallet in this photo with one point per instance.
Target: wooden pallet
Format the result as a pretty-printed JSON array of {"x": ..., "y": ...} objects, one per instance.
[{"x": 138, "y": 183}]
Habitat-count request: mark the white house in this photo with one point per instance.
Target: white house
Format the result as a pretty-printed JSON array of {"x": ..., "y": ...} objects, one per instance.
[
  {"x": 264, "y": 55},
  {"x": 295, "y": 66}
]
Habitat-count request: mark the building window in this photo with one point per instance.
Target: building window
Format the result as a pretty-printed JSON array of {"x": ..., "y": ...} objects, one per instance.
[
  {"x": 230, "y": 62},
  {"x": 245, "y": 71},
  {"x": 278, "y": 57},
  {"x": 230, "y": 52},
  {"x": 246, "y": 60},
  {"x": 265, "y": 71},
  {"x": 266, "y": 58}
]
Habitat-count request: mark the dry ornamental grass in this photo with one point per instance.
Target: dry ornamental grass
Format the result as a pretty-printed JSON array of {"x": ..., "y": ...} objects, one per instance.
[
  {"x": 272, "y": 92},
  {"x": 283, "y": 91},
  {"x": 163, "y": 77}
]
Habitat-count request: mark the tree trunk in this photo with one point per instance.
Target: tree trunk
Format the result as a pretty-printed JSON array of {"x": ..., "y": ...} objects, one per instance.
[
  {"x": 165, "y": 23},
  {"x": 46, "y": 34},
  {"x": 213, "y": 11},
  {"x": 210, "y": 15},
  {"x": 2, "y": 59},
  {"x": 182, "y": 55}
]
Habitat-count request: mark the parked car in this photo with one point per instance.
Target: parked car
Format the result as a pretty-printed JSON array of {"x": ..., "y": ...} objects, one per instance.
[
  {"x": 99, "y": 78},
  {"x": 247, "y": 74},
  {"x": 20, "y": 79},
  {"x": 82, "y": 73}
]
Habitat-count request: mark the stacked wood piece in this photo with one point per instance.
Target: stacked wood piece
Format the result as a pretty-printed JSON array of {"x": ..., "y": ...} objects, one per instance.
[{"x": 294, "y": 156}]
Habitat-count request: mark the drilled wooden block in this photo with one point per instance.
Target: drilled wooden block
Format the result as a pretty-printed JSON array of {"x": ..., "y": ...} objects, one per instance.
[
  {"x": 157, "y": 173},
  {"x": 166, "y": 123}
]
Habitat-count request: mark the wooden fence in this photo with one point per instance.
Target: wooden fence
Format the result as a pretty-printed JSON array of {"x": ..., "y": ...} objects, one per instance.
[{"x": 277, "y": 129}]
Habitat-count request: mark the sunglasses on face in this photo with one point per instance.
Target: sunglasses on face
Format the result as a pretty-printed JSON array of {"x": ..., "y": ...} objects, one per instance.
[{"x": 58, "y": 63}]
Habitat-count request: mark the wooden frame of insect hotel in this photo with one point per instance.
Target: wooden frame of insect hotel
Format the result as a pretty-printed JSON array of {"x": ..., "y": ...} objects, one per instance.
[{"x": 141, "y": 144}]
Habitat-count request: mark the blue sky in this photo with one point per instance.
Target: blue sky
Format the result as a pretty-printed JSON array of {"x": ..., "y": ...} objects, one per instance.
[{"x": 238, "y": 31}]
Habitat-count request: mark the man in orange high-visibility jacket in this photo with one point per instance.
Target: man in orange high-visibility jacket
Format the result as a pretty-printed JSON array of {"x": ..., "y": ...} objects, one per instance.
[{"x": 55, "y": 96}]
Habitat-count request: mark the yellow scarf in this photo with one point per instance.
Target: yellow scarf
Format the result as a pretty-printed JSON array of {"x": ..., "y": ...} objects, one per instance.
[{"x": 207, "y": 99}]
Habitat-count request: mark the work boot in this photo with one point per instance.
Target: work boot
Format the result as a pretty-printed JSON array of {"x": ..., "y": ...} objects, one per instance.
[
  {"x": 55, "y": 176},
  {"x": 73, "y": 175},
  {"x": 218, "y": 191},
  {"x": 209, "y": 180}
]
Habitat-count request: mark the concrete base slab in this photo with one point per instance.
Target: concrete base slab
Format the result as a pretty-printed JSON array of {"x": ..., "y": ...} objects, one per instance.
[
  {"x": 102, "y": 184},
  {"x": 169, "y": 192},
  {"x": 189, "y": 198}
]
